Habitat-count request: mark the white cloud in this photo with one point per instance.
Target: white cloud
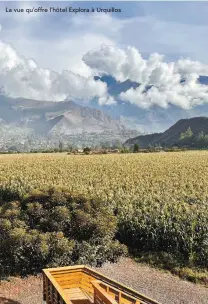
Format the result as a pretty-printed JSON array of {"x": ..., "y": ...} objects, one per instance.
[
  {"x": 62, "y": 48},
  {"x": 46, "y": 80},
  {"x": 187, "y": 66},
  {"x": 163, "y": 79},
  {"x": 106, "y": 100},
  {"x": 22, "y": 77},
  {"x": 70, "y": 50},
  {"x": 60, "y": 45}
]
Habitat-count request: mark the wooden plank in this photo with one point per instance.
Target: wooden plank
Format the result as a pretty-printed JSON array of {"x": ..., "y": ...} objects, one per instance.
[
  {"x": 103, "y": 294},
  {"x": 119, "y": 297},
  {"x": 77, "y": 295},
  {"x": 70, "y": 283},
  {"x": 65, "y": 268},
  {"x": 57, "y": 286},
  {"x": 69, "y": 280},
  {"x": 88, "y": 289},
  {"x": 47, "y": 282},
  {"x": 87, "y": 283},
  {"x": 65, "y": 273},
  {"x": 68, "y": 286},
  {"x": 125, "y": 297},
  {"x": 69, "y": 277},
  {"x": 124, "y": 301},
  {"x": 89, "y": 296},
  {"x": 44, "y": 287},
  {"x": 128, "y": 298},
  {"x": 51, "y": 293}
]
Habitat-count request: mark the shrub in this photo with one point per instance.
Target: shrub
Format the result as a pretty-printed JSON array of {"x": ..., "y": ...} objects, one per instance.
[{"x": 53, "y": 228}]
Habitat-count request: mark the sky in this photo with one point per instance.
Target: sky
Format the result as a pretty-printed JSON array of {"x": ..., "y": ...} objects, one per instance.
[{"x": 53, "y": 56}]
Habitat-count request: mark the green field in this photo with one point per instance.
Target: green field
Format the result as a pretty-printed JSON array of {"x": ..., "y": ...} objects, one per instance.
[{"x": 157, "y": 202}]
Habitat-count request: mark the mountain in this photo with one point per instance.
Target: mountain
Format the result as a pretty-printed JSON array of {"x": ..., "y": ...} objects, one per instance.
[
  {"x": 46, "y": 116},
  {"x": 74, "y": 122},
  {"x": 84, "y": 120},
  {"x": 65, "y": 121},
  {"x": 153, "y": 119},
  {"x": 171, "y": 137},
  {"x": 7, "y": 112}
]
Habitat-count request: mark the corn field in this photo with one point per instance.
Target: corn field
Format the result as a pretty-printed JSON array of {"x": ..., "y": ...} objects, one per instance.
[
  {"x": 160, "y": 199},
  {"x": 170, "y": 177}
]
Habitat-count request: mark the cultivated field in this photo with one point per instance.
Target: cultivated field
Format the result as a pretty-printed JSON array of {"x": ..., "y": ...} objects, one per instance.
[
  {"x": 169, "y": 177},
  {"x": 155, "y": 203}
]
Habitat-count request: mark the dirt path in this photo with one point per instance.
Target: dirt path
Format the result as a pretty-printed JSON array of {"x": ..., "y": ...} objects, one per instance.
[{"x": 158, "y": 285}]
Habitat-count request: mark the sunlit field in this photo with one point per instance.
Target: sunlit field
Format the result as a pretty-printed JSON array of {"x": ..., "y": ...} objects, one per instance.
[
  {"x": 168, "y": 177},
  {"x": 151, "y": 203}
]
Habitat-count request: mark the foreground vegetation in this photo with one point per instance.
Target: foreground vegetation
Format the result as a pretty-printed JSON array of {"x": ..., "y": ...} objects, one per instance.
[{"x": 92, "y": 207}]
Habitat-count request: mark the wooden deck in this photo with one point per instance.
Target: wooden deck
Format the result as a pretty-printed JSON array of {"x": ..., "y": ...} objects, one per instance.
[
  {"x": 82, "y": 285},
  {"x": 78, "y": 296}
]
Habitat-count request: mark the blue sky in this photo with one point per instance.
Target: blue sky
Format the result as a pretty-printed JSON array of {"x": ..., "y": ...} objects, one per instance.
[{"x": 57, "y": 42}]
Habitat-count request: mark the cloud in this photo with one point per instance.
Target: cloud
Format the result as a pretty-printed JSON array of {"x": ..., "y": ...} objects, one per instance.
[
  {"x": 53, "y": 51},
  {"x": 161, "y": 83},
  {"x": 187, "y": 66},
  {"x": 70, "y": 50},
  {"x": 107, "y": 100},
  {"x": 65, "y": 41},
  {"x": 21, "y": 77},
  {"x": 59, "y": 41}
]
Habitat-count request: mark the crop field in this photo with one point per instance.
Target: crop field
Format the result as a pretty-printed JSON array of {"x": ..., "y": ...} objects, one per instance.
[
  {"x": 146, "y": 203},
  {"x": 167, "y": 177}
]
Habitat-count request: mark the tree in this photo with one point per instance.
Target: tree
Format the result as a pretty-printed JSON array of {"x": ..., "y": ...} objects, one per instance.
[
  {"x": 86, "y": 150},
  {"x": 136, "y": 148},
  {"x": 200, "y": 136},
  {"x": 125, "y": 150},
  {"x": 202, "y": 139},
  {"x": 187, "y": 134}
]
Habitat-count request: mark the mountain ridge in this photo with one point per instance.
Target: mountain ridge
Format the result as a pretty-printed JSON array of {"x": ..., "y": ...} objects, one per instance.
[
  {"x": 34, "y": 123},
  {"x": 171, "y": 136},
  {"x": 28, "y": 109}
]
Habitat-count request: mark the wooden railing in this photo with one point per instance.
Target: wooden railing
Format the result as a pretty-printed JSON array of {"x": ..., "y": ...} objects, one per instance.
[
  {"x": 52, "y": 292},
  {"x": 101, "y": 296},
  {"x": 116, "y": 295},
  {"x": 99, "y": 287}
]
